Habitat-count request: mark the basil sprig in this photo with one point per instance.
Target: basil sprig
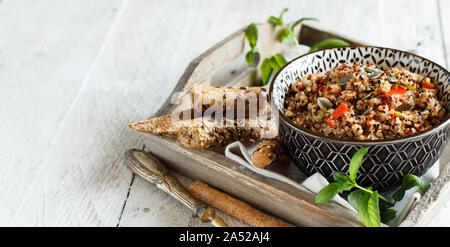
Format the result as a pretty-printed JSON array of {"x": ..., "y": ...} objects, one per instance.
[
  {"x": 328, "y": 43},
  {"x": 287, "y": 35},
  {"x": 252, "y": 57},
  {"x": 271, "y": 66},
  {"x": 277, "y": 21},
  {"x": 372, "y": 207}
]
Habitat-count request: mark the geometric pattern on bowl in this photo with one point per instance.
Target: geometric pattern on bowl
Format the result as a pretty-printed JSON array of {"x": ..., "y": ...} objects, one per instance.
[{"x": 383, "y": 167}]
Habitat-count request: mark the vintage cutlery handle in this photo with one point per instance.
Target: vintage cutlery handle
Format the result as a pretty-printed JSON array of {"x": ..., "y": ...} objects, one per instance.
[{"x": 152, "y": 170}]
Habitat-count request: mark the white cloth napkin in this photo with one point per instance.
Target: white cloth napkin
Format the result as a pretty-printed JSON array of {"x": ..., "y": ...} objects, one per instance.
[{"x": 242, "y": 154}]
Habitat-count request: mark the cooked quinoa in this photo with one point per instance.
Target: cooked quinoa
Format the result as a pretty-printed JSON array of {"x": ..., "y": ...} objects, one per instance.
[{"x": 365, "y": 103}]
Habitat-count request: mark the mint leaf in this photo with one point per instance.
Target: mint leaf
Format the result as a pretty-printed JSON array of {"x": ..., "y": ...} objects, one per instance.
[
  {"x": 266, "y": 70},
  {"x": 327, "y": 193},
  {"x": 328, "y": 43},
  {"x": 408, "y": 182},
  {"x": 284, "y": 36},
  {"x": 277, "y": 21},
  {"x": 343, "y": 181},
  {"x": 373, "y": 211},
  {"x": 249, "y": 58},
  {"x": 277, "y": 61},
  {"x": 303, "y": 19},
  {"x": 356, "y": 197},
  {"x": 386, "y": 213},
  {"x": 339, "y": 177},
  {"x": 367, "y": 206},
  {"x": 280, "y": 59},
  {"x": 356, "y": 162},
  {"x": 252, "y": 35},
  {"x": 274, "y": 64},
  {"x": 282, "y": 13},
  {"x": 252, "y": 58},
  {"x": 274, "y": 21}
]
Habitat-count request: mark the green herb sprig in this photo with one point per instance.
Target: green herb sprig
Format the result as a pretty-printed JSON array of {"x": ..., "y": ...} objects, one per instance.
[
  {"x": 287, "y": 35},
  {"x": 269, "y": 65},
  {"x": 372, "y": 207},
  {"x": 328, "y": 43},
  {"x": 252, "y": 57},
  {"x": 272, "y": 63}
]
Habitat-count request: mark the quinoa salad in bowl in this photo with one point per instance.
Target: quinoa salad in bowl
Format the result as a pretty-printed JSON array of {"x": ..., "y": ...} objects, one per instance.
[
  {"x": 365, "y": 103},
  {"x": 335, "y": 101}
]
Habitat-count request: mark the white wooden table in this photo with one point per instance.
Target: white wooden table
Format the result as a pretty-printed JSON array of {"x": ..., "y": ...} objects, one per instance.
[{"x": 73, "y": 74}]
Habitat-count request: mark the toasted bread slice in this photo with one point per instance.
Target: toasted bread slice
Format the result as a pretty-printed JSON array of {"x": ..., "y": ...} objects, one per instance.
[
  {"x": 157, "y": 126},
  {"x": 221, "y": 98},
  {"x": 207, "y": 132}
]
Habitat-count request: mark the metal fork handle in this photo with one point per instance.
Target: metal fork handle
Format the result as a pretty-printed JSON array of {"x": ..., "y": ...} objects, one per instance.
[{"x": 152, "y": 170}]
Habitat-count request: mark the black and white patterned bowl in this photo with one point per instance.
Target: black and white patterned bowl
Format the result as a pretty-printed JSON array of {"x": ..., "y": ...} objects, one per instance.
[{"x": 387, "y": 161}]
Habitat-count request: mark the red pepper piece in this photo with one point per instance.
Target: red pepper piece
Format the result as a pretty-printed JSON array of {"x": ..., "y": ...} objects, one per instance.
[
  {"x": 396, "y": 92},
  {"x": 427, "y": 84},
  {"x": 331, "y": 123},
  {"x": 339, "y": 112}
]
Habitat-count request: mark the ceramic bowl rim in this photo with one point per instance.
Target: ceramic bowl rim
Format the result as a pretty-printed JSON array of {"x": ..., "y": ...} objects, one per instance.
[{"x": 293, "y": 125}]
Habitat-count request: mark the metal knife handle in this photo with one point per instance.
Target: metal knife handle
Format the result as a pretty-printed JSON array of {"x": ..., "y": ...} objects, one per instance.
[{"x": 152, "y": 170}]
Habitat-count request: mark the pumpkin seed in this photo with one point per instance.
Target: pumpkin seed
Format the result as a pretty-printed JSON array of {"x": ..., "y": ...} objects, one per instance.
[
  {"x": 375, "y": 75},
  {"x": 324, "y": 103},
  {"x": 392, "y": 79},
  {"x": 404, "y": 107},
  {"x": 369, "y": 110},
  {"x": 367, "y": 95},
  {"x": 372, "y": 70},
  {"x": 345, "y": 79}
]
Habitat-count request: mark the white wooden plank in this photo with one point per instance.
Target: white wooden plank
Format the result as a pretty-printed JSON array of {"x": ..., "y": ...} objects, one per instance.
[
  {"x": 67, "y": 191},
  {"x": 439, "y": 215},
  {"x": 84, "y": 176},
  {"x": 46, "y": 49},
  {"x": 404, "y": 25}
]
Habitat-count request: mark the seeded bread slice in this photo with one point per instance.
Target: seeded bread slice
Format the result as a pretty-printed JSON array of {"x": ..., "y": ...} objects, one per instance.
[
  {"x": 207, "y": 132},
  {"x": 157, "y": 126},
  {"x": 266, "y": 152},
  {"x": 221, "y": 98}
]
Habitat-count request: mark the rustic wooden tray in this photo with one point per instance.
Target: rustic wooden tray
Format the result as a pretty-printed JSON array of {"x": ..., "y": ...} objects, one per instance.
[{"x": 225, "y": 63}]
